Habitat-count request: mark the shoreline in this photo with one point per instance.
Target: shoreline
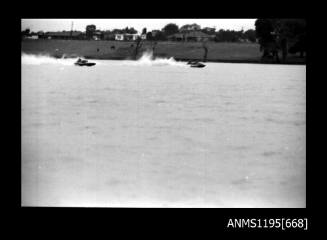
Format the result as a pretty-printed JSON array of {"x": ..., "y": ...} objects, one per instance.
[
  {"x": 123, "y": 50},
  {"x": 245, "y": 61}
]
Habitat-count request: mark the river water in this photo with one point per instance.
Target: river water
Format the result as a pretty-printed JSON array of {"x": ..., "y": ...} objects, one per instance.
[{"x": 157, "y": 133}]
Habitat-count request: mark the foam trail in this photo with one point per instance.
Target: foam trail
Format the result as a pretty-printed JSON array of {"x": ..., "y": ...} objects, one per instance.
[
  {"x": 148, "y": 59},
  {"x": 31, "y": 59}
]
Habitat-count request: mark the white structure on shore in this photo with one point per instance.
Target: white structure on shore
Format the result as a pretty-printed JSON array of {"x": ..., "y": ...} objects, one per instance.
[
  {"x": 126, "y": 36},
  {"x": 129, "y": 37}
]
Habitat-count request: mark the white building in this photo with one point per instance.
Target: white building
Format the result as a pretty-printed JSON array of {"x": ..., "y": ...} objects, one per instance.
[
  {"x": 132, "y": 37},
  {"x": 127, "y": 37},
  {"x": 32, "y": 37},
  {"x": 119, "y": 37},
  {"x": 143, "y": 36}
]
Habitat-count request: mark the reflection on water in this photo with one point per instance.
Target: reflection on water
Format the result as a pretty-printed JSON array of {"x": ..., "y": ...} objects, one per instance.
[{"x": 148, "y": 133}]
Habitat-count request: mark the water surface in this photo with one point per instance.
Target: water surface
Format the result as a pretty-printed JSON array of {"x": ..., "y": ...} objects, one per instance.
[{"x": 158, "y": 133}]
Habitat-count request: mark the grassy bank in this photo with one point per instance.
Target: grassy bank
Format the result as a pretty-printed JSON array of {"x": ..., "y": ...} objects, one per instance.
[{"x": 217, "y": 52}]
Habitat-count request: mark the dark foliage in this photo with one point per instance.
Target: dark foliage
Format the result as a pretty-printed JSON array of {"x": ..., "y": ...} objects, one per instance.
[
  {"x": 288, "y": 35},
  {"x": 90, "y": 30},
  {"x": 170, "y": 29}
]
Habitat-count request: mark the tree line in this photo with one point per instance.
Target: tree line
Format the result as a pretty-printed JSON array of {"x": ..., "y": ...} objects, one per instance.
[
  {"x": 286, "y": 35},
  {"x": 273, "y": 35},
  {"x": 220, "y": 36},
  {"x": 171, "y": 28}
]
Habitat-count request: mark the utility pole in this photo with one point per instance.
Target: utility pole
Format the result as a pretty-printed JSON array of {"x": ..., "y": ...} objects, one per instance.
[
  {"x": 205, "y": 48},
  {"x": 71, "y": 30}
]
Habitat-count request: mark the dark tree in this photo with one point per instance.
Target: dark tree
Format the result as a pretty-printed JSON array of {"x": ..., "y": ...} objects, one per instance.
[
  {"x": 284, "y": 28},
  {"x": 190, "y": 27},
  {"x": 250, "y": 35},
  {"x": 266, "y": 32},
  {"x": 170, "y": 29},
  {"x": 26, "y": 32},
  {"x": 281, "y": 33},
  {"x": 144, "y": 31},
  {"x": 264, "y": 29},
  {"x": 90, "y": 30},
  {"x": 117, "y": 31},
  {"x": 291, "y": 28},
  {"x": 293, "y": 31},
  {"x": 299, "y": 46},
  {"x": 129, "y": 30},
  {"x": 149, "y": 36},
  {"x": 155, "y": 36},
  {"x": 132, "y": 31},
  {"x": 227, "y": 36},
  {"x": 160, "y": 36}
]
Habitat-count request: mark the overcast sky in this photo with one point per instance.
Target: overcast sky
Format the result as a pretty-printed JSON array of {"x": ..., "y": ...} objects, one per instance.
[{"x": 109, "y": 24}]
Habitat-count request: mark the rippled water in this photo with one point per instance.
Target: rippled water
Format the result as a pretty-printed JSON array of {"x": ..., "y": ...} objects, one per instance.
[{"x": 158, "y": 133}]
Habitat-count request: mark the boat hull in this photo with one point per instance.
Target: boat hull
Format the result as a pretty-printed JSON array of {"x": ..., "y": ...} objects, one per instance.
[
  {"x": 85, "y": 64},
  {"x": 198, "y": 66}
]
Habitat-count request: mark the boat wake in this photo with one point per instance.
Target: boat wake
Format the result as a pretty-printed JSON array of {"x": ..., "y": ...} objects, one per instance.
[
  {"x": 32, "y": 59},
  {"x": 148, "y": 59}
]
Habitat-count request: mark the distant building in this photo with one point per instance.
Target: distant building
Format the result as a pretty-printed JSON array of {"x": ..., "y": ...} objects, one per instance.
[
  {"x": 143, "y": 36},
  {"x": 126, "y": 37},
  {"x": 196, "y": 36},
  {"x": 97, "y": 35},
  {"x": 32, "y": 37},
  {"x": 130, "y": 37},
  {"x": 119, "y": 37}
]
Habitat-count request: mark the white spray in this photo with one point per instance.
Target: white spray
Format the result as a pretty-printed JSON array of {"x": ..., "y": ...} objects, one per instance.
[
  {"x": 31, "y": 59},
  {"x": 148, "y": 59}
]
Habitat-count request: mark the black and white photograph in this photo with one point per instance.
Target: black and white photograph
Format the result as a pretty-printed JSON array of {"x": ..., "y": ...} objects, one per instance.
[{"x": 163, "y": 112}]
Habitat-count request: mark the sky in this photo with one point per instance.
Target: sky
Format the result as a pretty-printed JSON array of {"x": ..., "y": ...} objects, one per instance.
[{"x": 108, "y": 24}]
